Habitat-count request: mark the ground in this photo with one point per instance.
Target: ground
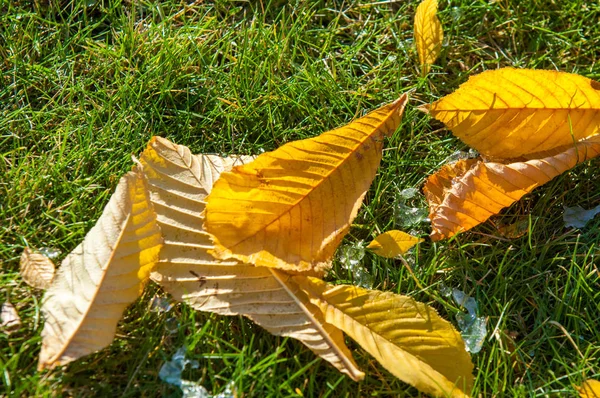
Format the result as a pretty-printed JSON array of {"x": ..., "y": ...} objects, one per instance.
[{"x": 85, "y": 84}]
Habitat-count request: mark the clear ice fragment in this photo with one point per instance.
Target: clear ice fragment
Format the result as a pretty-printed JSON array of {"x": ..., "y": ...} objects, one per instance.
[
  {"x": 473, "y": 328},
  {"x": 160, "y": 304},
  {"x": 171, "y": 371},
  {"x": 350, "y": 256},
  {"x": 578, "y": 217},
  {"x": 49, "y": 252}
]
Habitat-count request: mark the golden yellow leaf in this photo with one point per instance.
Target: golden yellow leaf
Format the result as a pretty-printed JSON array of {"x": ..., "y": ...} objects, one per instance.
[
  {"x": 467, "y": 193},
  {"x": 407, "y": 337},
  {"x": 101, "y": 276},
  {"x": 391, "y": 244},
  {"x": 428, "y": 34},
  {"x": 589, "y": 389},
  {"x": 507, "y": 113},
  {"x": 290, "y": 208},
  {"x": 179, "y": 182},
  {"x": 36, "y": 269}
]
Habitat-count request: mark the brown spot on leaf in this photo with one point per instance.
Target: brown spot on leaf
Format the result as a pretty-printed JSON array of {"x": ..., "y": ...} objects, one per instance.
[{"x": 595, "y": 85}]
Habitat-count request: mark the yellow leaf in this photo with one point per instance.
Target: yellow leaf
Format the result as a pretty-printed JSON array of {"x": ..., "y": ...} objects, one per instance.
[
  {"x": 290, "y": 208},
  {"x": 101, "y": 277},
  {"x": 36, "y": 269},
  {"x": 589, "y": 389},
  {"x": 428, "y": 34},
  {"x": 467, "y": 193},
  {"x": 391, "y": 244},
  {"x": 507, "y": 113},
  {"x": 407, "y": 337},
  {"x": 179, "y": 182}
]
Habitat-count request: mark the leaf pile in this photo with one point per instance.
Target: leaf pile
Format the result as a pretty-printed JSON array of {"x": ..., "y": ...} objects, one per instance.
[{"x": 244, "y": 236}]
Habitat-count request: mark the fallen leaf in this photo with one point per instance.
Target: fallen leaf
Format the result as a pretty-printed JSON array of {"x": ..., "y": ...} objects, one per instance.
[
  {"x": 428, "y": 34},
  {"x": 36, "y": 269},
  {"x": 391, "y": 244},
  {"x": 179, "y": 182},
  {"x": 290, "y": 208},
  {"x": 101, "y": 277},
  {"x": 578, "y": 217},
  {"x": 589, "y": 389},
  {"x": 11, "y": 322},
  {"x": 407, "y": 337},
  {"x": 465, "y": 194},
  {"x": 507, "y": 113}
]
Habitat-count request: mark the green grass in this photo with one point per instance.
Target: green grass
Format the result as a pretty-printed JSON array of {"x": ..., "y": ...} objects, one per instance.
[{"x": 85, "y": 84}]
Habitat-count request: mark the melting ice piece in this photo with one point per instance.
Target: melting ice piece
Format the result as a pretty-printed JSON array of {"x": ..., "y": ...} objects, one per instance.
[
  {"x": 49, "y": 252},
  {"x": 407, "y": 216},
  {"x": 445, "y": 290},
  {"x": 160, "y": 304},
  {"x": 350, "y": 257},
  {"x": 171, "y": 371},
  {"x": 577, "y": 216},
  {"x": 408, "y": 193},
  {"x": 473, "y": 328}
]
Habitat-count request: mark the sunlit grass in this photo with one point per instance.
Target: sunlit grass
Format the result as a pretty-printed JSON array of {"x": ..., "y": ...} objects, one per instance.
[{"x": 85, "y": 84}]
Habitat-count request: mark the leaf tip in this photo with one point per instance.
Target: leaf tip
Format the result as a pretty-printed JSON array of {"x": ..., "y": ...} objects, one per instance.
[{"x": 424, "y": 108}]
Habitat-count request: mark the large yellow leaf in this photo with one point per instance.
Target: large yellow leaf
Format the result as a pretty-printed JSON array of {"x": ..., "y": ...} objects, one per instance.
[
  {"x": 467, "y": 193},
  {"x": 428, "y": 34},
  {"x": 290, "y": 208},
  {"x": 179, "y": 182},
  {"x": 393, "y": 243},
  {"x": 589, "y": 389},
  {"x": 101, "y": 277},
  {"x": 407, "y": 337},
  {"x": 507, "y": 113}
]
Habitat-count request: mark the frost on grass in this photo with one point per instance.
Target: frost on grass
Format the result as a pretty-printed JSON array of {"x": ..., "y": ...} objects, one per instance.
[
  {"x": 171, "y": 372},
  {"x": 350, "y": 256},
  {"x": 578, "y": 217},
  {"x": 407, "y": 216},
  {"x": 473, "y": 328}
]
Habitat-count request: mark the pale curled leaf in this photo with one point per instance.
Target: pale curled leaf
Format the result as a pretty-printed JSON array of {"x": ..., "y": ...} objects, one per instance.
[
  {"x": 36, "y": 269},
  {"x": 179, "y": 182},
  {"x": 467, "y": 193},
  {"x": 9, "y": 318},
  {"x": 589, "y": 389},
  {"x": 101, "y": 276},
  {"x": 391, "y": 244},
  {"x": 508, "y": 112},
  {"x": 407, "y": 337},
  {"x": 428, "y": 34},
  {"x": 290, "y": 208}
]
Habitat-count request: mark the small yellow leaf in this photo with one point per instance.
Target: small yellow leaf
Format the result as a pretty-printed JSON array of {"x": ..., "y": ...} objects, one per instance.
[
  {"x": 36, "y": 269},
  {"x": 290, "y": 208},
  {"x": 407, "y": 337},
  {"x": 589, "y": 389},
  {"x": 101, "y": 276},
  {"x": 178, "y": 182},
  {"x": 428, "y": 34},
  {"x": 507, "y": 113},
  {"x": 391, "y": 244},
  {"x": 467, "y": 193}
]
